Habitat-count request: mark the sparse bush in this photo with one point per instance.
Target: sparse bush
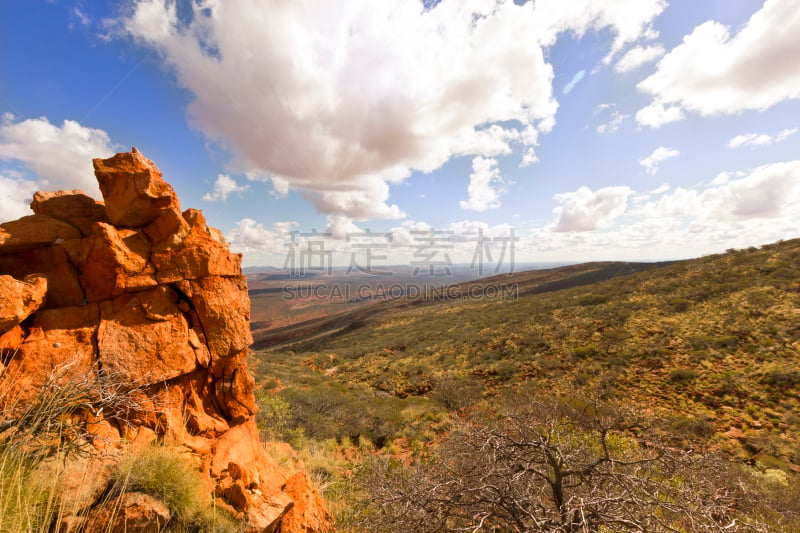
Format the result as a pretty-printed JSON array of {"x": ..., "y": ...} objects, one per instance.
[
  {"x": 692, "y": 426},
  {"x": 208, "y": 520},
  {"x": 455, "y": 392},
  {"x": 594, "y": 299},
  {"x": 164, "y": 475},
  {"x": 682, "y": 376},
  {"x": 585, "y": 352},
  {"x": 274, "y": 417},
  {"x": 782, "y": 378},
  {"x": 678, "y": 305}
]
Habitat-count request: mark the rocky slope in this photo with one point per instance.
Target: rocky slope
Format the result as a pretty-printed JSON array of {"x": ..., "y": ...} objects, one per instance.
[{"x": 134, "y": 293}]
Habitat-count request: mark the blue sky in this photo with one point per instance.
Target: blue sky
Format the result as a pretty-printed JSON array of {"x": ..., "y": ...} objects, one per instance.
[{"x": 634, "y": 130}]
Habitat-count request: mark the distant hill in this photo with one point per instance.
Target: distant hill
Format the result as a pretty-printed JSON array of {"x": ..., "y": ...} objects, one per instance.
[{"x": 708, "y": 347}]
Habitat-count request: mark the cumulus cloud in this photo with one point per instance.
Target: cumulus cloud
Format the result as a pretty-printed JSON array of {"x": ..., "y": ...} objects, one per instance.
[
  {"x": 253, "y": 237},
  {"x": 224, "y": 187},
  {"x": 15, "y": 197},
  {"x": 340, "y": 225},
  {"x": 485, "y": 185},
  {"x": 638, "y": 56},
  {"x": 587, "y": 210},
  {"x": 657, "y": 114},
  {"x": 769, "y": 191},
  {"x": 59, "y": 156},
  {"x": 760, "y": 139},
  {"x": 340, "y": 100},
  {"x": 713, "y": 72},
  {"x": 659, "y": 155}
]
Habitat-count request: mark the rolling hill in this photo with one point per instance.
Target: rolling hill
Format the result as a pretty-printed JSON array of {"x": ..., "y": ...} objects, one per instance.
[{"x": 708, "y": 348}]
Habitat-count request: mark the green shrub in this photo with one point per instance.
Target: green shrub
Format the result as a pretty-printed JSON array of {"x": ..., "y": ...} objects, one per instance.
[
  {"x": 594, "y": 299},
  {"x": 682, "y": 375},
  {"x": 164, "y": 475},
  {"x": 678, "y": 305},
  {"x": 209, "y": 520},
  {"x": 585, "y": 352},
  {"x": 691, "y": 426},
  {"x": 456, "y": 392},
  {"x": 274, "y": 416},
  {"x": 782, "y": 378}
]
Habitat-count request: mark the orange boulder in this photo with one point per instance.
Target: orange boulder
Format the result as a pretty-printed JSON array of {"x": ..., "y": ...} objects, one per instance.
[
  {"x": 34, "y": 231},
  {"x": 74, "y": 207},
  {"x": 144, "y": 338},
  {"x": 19, "y": 299},
  {"x": 134, "y": 193}
]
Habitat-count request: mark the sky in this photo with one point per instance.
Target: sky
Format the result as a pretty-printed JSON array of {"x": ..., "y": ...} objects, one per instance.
[{"x": 421, "y": 132}]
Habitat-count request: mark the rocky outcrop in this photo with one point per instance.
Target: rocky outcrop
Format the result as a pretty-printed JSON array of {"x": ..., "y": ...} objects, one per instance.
[{"x": 136, "y": 292}]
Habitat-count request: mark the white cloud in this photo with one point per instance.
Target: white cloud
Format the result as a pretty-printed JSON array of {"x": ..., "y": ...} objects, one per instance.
[
  {"x": 587, "y": 210},
  {"x": 341, "y": 99},
  {"x": 369, "y": 201},
  {"x": 769, "y": 191},
  {"x": 659, "y": 155},
  {"x": 340, "y": 225},
  {"x": 80, "y": 16},
  {"x": 60, "y": 157},
  {"x": 749, "y": 138},
  {"x": 759, "y": 139},
  {"x": 253, "y": 237},
  {"x": 485, "y": 185},
  {"x": 657, "y": 114},
  {"x": 613, "y": 124},
  {"x": 785, "y": 134},
  {"x": 722, "y": 178},
  {"x": 739, "y": 209},
  {"x": 529, "y": 157},
  {"x": 630, "y": 19},
  {"x": 15, "y": 198},
  {"x": 638, "y": 56},
  {"x": 224, "y": 186},
  {"x": 713, "y": 72}
]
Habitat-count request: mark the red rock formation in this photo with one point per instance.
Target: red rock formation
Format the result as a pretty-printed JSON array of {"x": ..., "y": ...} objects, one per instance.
[{"x": 153, "y": 297}]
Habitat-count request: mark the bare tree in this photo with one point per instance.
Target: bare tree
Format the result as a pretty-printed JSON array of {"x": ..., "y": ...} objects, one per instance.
[{"x": 555, "y": 467}]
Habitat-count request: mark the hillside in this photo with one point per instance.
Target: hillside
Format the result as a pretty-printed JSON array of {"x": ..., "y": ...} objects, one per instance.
[{"x": 707, "y": 348}]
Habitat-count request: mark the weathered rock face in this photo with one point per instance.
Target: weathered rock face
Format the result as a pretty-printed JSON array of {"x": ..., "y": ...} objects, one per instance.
[{"x": 138, "y": 292}]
